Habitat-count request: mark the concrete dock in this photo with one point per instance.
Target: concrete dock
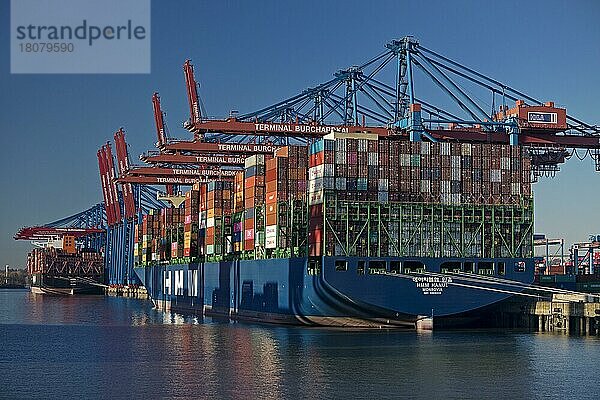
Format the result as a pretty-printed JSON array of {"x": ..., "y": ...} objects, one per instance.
[
  {"x": 134, "y": 292},
  {"x": 581, "y": 318},
  {"x": 573, "y": 314}
]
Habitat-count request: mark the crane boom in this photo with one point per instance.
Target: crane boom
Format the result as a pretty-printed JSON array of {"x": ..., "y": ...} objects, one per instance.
[
  {"x": 192, "y": 92},
  {"x": 123, "y": 167},
  {"x": 104, "y": 184},
  {"x": 110, "y": 164},
  {"x": 191, "y": 159},
  {"x": 159, "y": 121}
]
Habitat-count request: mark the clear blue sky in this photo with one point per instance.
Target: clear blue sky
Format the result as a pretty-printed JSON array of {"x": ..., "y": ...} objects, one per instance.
[{"x": 251, "y": 54}]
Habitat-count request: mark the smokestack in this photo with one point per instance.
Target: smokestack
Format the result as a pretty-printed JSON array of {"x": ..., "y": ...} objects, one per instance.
[{"x": 6, "y": 274}]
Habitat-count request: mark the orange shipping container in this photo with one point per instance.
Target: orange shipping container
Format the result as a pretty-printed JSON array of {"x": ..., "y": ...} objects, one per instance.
[
  {"x": 282, "y": 151},
  {"x": 69, "y": 244},
  {"x": 250, "y": 182},
  {"x": 272, "y": 219},
  {"x": 271, "y": 198}
]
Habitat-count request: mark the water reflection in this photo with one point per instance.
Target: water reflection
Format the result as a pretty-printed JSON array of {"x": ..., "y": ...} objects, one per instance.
[{"x": 115, "y": 347}]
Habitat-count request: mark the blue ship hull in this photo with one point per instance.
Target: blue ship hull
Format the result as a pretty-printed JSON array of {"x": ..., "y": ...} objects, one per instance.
[{"x": 289, "y": 291}]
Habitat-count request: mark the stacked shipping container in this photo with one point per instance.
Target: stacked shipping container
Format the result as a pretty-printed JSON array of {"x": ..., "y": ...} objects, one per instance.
[
  {"x": 60, "y": 262},
  {"x": 254, "y": 200},
  {"x": 285, "y": 182},
  {"x": 174, "y": 235},
  {"x": 218, "y": 217},
  {"x": 191, "y": 223},
  {"x": 238, "y": 213},
  {"x": 367, "y": 169},
  {"x": 376, "y": 182}
]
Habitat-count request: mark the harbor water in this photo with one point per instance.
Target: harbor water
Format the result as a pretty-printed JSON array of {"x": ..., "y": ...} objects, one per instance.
[{"x": 107, "y": 347}]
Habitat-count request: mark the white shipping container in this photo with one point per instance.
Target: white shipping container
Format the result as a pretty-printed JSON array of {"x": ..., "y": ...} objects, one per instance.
[
  {"x": 340, "y": 145},
  {"x": 445, "y": 149},
  {"x": 445, "y": 187},
  {"x": 228, "y": 244},
  {"x": 315, "y": 185},
  {"x": 466, "y": 149},
  {"x": 341, "y": 157},
  {"x": 270, "y": 243},
  {"x": 425, "y": 186},
  {"x": 446, "y": 198},
  {"x": 495, "y": 175},
  {"x": 455, "y": 198},
  {"x": 316, "y": 172},
  {"x": 425, "y": 148},
  {"x": 210, "y": 249},
  {"x": 456, "y": 174},
  {"x": 505, "y": 163},
  {"x": 362, "y": 145},
  {"x": 250, "y": 161},
  {"x": 258, "y": 238},
  {"x": 270, "y": 230},
  {"x": 516, "y": 188},
  {"x": 271, "y": 236},
  {"x": 328, "y": 170},
  {"x": 210, "y": 222},
  {"x": 372, "y": 159},
  {"x": 315, "y": 198},
  {"x": 455, "y": 161},
  {"x": 405, "y": 160}
]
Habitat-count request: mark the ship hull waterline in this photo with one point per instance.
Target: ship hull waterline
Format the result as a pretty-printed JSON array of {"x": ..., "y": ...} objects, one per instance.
[{"x": 289, "y": 291}]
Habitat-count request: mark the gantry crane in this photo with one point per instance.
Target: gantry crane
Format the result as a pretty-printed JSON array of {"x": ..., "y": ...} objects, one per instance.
[
  {"x": 357, "y": 99},
  {"x": 344, "y": 103},
  {"x": 357, "y": 94}
]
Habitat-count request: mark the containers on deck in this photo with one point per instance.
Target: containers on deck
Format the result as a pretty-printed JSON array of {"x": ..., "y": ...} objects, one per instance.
[{"x": 323, "y": 199}]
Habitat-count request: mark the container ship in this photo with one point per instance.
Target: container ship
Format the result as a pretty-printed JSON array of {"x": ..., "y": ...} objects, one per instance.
[
  {"x": 59, "y": 268},
  {"x": 353, "y": 230}
]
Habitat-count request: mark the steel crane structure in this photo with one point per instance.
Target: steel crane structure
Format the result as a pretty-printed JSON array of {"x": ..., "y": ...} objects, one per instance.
[
  {"x": 88, "y": 228},
  {"x": 395, "y": 95},
  {"x": 122, "y": 206},
  {"x": 360, "y": 93}
]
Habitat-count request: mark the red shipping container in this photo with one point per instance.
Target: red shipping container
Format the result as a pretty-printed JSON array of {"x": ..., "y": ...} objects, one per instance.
[
  {"x": 316, "y": 159},
  {"x": 315, "y": 235},
  {"x": 315, "y": 249},
  {"x": 271, "y": 175}
]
